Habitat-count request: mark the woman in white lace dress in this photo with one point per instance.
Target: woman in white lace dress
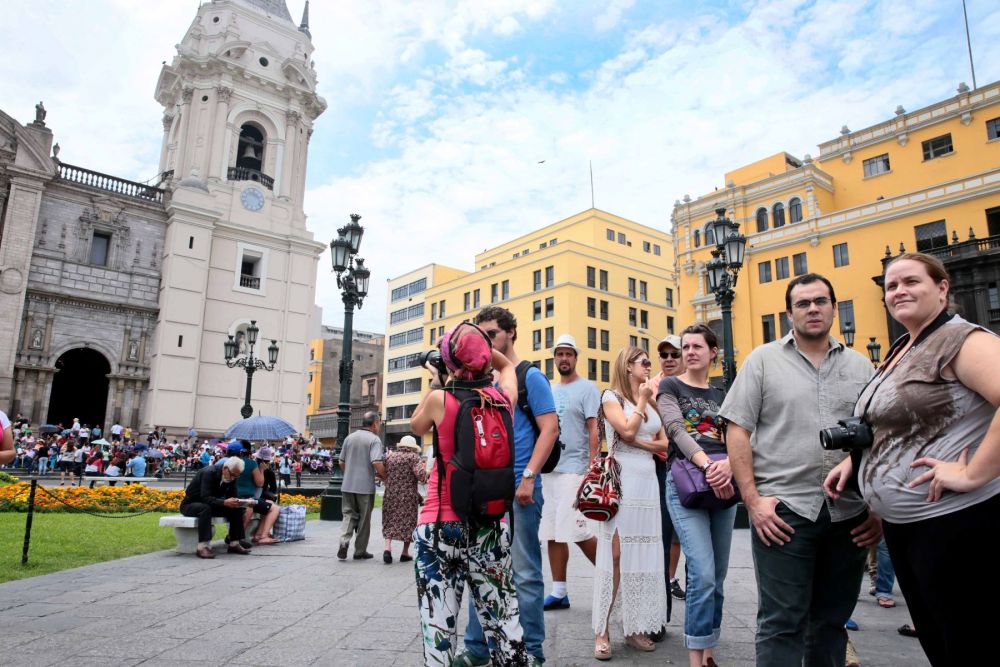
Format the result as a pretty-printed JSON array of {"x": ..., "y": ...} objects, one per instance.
[{"x": 629, "y": 553}]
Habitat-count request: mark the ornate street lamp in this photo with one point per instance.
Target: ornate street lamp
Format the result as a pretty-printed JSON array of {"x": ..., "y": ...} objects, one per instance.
[
  {"x": 874, "y": 351},
  {"x": 723, "y": 271},
  {"x": 249, "y": 363},
  {"x": 847, "y": 330},
  {"x": 352, "y": 279}
]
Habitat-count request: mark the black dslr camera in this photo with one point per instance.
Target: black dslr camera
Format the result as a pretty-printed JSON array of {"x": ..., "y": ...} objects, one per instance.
[
  {"x": 433, "y": 357},
  {"x": 853, "y": 433}
]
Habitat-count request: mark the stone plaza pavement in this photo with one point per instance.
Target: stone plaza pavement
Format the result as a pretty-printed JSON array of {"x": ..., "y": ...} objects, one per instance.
[{"x": 296, "y": 604}]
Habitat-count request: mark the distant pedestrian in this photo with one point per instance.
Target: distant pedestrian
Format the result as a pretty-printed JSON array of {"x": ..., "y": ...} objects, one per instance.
[
  {"x": 285, "y": 471},
  {"x": 361, "y": 460},
  {"x": 404, "y": 470}
]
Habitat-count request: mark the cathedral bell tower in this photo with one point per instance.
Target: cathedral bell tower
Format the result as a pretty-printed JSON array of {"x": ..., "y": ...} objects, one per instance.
[{"x": 239, "y": 103}]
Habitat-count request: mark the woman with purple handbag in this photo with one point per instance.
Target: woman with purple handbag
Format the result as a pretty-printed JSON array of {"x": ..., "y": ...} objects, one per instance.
[{"x": 700, "y": 491}]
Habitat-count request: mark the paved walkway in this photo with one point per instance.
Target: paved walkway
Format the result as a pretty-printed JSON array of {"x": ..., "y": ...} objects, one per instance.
[{"x": 296, "y": 604}]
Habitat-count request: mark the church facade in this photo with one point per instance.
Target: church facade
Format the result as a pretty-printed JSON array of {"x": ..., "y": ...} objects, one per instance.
[{"x": 117, "y": 295}]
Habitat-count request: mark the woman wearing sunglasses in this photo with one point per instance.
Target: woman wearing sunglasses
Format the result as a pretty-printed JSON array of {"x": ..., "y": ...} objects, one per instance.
[{"x": 629, "y": 549}]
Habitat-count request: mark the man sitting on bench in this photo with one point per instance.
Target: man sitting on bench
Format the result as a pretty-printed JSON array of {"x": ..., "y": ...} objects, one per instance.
[{"x": 212, "y": 492}]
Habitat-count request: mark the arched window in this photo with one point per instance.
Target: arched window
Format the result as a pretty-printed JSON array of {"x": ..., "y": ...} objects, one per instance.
[
  {"x": 779, "y": 215},
  {"x": 762, "y": 219},
  {"x": 795, "y": 210},
  {"x": 250, "y": 152},
  {"x": 709, "y": 235},
  {"x": 697, "y": 238}
]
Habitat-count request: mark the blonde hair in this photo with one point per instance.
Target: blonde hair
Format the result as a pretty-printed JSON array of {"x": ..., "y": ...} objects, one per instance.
[{"x": 619, "y": 374}]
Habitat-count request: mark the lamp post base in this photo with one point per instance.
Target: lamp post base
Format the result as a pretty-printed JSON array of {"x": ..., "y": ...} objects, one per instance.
[{"x": 331, "y": 507}]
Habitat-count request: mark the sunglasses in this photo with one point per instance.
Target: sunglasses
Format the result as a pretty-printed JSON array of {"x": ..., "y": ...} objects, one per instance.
[
  {"x": 492, "y": 333},
  {"x": 646, "y": 363},
  {"x": 670, "y": 355}
]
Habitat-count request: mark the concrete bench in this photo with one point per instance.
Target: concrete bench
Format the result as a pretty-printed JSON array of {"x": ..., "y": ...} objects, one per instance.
[{"x": 186, "y": 530}]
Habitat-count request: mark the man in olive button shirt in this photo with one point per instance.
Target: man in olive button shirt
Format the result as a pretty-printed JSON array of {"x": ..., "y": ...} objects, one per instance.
[{"x": 808, "y": 551}]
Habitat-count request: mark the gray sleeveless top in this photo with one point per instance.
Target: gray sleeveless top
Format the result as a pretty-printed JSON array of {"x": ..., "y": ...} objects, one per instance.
[{"x": 916, "y": 411}]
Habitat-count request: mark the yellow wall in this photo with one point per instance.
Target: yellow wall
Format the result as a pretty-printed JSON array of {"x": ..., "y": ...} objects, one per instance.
[
  {"x": 841, "y": 205},
  {"x": 315, "y": 375}
]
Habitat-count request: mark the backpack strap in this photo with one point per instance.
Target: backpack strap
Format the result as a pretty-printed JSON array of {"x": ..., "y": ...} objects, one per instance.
[{"x": 521, "y": 372}]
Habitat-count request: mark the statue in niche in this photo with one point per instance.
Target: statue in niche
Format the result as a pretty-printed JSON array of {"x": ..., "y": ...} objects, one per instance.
[
  {"x": 133, "y": 350},
  {"x": 36, "y": 340}
]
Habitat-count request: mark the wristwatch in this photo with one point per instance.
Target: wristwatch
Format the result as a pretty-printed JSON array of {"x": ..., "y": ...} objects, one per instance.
[
  {"x": 528, "y": 474},
  {"x": 708, "y": 465}
]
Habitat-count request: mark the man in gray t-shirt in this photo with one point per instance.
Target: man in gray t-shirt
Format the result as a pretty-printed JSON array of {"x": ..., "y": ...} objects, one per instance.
[
  {"x": 361, "y": 460},
  {"x": 577, "y": 401}
]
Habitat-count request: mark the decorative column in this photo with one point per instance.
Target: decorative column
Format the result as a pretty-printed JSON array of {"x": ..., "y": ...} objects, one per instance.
[
  {"x": 183, "y": 139},
  {"x": 290, "y": 152},
  {"x": 217, "y": 146}
]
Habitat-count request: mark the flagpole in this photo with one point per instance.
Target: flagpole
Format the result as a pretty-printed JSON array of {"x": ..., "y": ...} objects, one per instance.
[{"x": 968, "y": 43}]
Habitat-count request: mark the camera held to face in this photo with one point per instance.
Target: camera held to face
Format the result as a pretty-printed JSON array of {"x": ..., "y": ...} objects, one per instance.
[
  {"x": 853, "y": 433},
  {"x": 433, "y": 357}
]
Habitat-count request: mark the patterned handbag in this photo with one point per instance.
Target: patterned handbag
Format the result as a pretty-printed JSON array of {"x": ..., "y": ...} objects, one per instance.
[{"x": 599, "y": 495}]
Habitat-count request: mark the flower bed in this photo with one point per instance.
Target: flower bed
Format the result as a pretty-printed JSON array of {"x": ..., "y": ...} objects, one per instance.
[{"x": 121, "y": 499}]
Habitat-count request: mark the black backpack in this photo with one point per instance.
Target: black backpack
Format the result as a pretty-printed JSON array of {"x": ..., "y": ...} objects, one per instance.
[
  {"x": 480, "y": 474},
  {"x": 522, "y": 402}
]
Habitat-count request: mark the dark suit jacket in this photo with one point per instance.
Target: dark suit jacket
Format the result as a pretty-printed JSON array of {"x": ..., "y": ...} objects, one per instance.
[{"x": 207, "y": 487}]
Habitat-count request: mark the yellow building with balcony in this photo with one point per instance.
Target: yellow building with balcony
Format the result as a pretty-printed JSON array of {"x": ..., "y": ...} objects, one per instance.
[{"x": 925, "y": 180}]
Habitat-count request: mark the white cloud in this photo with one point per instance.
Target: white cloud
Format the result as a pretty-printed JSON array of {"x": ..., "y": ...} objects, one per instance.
[{"x": 612, "y": 14}]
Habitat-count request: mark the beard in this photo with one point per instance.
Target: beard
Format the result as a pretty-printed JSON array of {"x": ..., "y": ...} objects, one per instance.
[{"x": 567, "y": 371}]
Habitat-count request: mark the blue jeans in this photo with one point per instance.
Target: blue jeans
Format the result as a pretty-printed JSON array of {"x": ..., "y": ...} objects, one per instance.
[
  {"x": 43, "y": 463},
  {"x": 885, "y": 575},
  {"x": 527, "y": 557},
  {"x": 706, "y": 536}
]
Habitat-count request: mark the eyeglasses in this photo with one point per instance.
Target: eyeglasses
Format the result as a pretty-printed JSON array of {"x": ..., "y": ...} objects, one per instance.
[
  {"x": 804, "y": 304},
  {"x": 645, "y": 363},
  {"x": 670, "y": 355}
]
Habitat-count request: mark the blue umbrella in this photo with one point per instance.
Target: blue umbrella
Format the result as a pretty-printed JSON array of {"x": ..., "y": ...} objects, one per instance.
[
  {"x": 48, "y": 429},
  {"x": 261, "y": 427}
]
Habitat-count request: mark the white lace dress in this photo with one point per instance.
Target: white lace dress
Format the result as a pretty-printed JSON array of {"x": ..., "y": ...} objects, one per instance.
[{"x": 642, "y": 591}]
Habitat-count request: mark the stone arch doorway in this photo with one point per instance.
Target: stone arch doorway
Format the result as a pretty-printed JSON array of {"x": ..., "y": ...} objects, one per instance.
[{"x": 79, "y": 388}]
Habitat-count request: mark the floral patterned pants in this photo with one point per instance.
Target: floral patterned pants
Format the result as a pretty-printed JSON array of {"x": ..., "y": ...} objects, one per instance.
[{"x": 477, "y": 555}]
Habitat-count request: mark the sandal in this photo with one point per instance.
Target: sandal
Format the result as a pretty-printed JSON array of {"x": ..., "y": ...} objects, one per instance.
[
  {"x": 907, "y": 630},
  {"x": 266, "y": 539},
  {"x": 640, "y": 643},
  {"x": 602, "y": 649},
  {"x": 886, "y": 603}
]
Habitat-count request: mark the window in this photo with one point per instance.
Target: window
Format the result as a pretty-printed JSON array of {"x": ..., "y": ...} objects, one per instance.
[
  {"x": 783, "y": 327},
  {"x": 550, "y": 276},
  {"x": 645, "y": 246},
  {"x": 591, "y": 277},
  {"x": 604, "y": 280},
  {"x": 875, "y": 166},
  {"x": 670, "y": 298},
  {"x": 402, "y": 363},
  {"x": 408, "y": 313},
  {"x": 697, "y": 238},
  {"x": 549, "y": 368},
  {"x": 605, "y": 371},
  {"x": 938, "y": 146},
  {"x": 553, "y": 241},
  {"x": 764, "y": 272},
  {"x": 465, "y": 301},
  {"x": 250, "y": 154},
  {"x": 475, "y": 298},
  {"x": 795, "y": 210},
  {"x": 504, "y": 290},
  {"x": 993, "y": 129},
  {"x": 633, "y": 341},
  {"x": 670, "y": 324},
  {"x": 845, "y": 314},
  {"x": 99, "y": 246},
  {"x": 536, "y": 280},
  {"x": 408, "y": 290},
  {"x": 643, "y": 319},
  {"x": 432, "y": 336},
  {"x": 434, "y": 311},
  {"x": 709, "y": 234},
  {"x": 781, "y": 268},
  {"x": 611, "y": 235},
  {"x": 406, "y": 337},
  {"x": 592, "y": 369},
  {"x": 621, "y": 238},
  {"x": 779, "y": 215},
  {"x": 550, "y": 306},
  {"x": 762, "y": 220},
  {"x": 494, "y": 293},
  {"x": 591, "y": 307},
  {"x": 656, "y": 249},
  {"x": 410, "y": 386},
  {"x": 931, "y": 235},
  {"x": 631, "y": 317},
  {"x": 840, "y": 255},
  {"x": 536, "y": 340},
  {"x": 536, "y": 310},
  {"x": 251, "y": 268},
  {"x": 604, "y": 310},
  {"x": 767, "y": 321},
  {"x": 799, "y": 263},
  {"x": 993, "y": 295},
  {"x": 592, "y": 338},
  {"x": 644, "y": 344},
  {"x": 605, "y": 342},
  {"x": 631, "y": 288},
  {"x": 549, "y": 337},
  {"x": 642, "y": 290}
]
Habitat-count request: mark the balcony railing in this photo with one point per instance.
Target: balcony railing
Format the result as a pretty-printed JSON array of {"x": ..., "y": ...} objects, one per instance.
[
  {"x": 252, "y": 282},
  {"x": 99, "y": 181},
  {"x": 247, "y": 174}
]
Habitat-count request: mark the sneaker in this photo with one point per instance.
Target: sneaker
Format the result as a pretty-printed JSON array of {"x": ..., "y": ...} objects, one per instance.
[
  {"x": 469, "y": 659},
  {"x": 552, "y": 602},
  {"x": 676, "y": 590},
  {"x": 851, "y": 625},
  {"x": 363, "y": 556},
  {"x": 342, "y": 552},
  {"x": 387, "y": 557}
]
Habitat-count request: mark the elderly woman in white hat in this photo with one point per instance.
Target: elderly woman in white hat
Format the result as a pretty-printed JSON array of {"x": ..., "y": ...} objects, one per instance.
[{"x": 404, "y": 470}]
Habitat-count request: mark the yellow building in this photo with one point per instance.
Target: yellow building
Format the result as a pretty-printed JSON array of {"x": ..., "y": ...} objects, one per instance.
[
  {"x": 920, "y": 181},
  {"x": 404, "y": 341},
  {"x": 315, "y": 376}
]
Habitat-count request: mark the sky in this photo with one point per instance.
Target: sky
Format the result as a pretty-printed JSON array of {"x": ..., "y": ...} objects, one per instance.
[{"x": 456, "y": 126}]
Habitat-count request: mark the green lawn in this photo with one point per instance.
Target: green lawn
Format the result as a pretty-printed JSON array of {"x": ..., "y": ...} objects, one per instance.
[{"x": 60, "y": 541}]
